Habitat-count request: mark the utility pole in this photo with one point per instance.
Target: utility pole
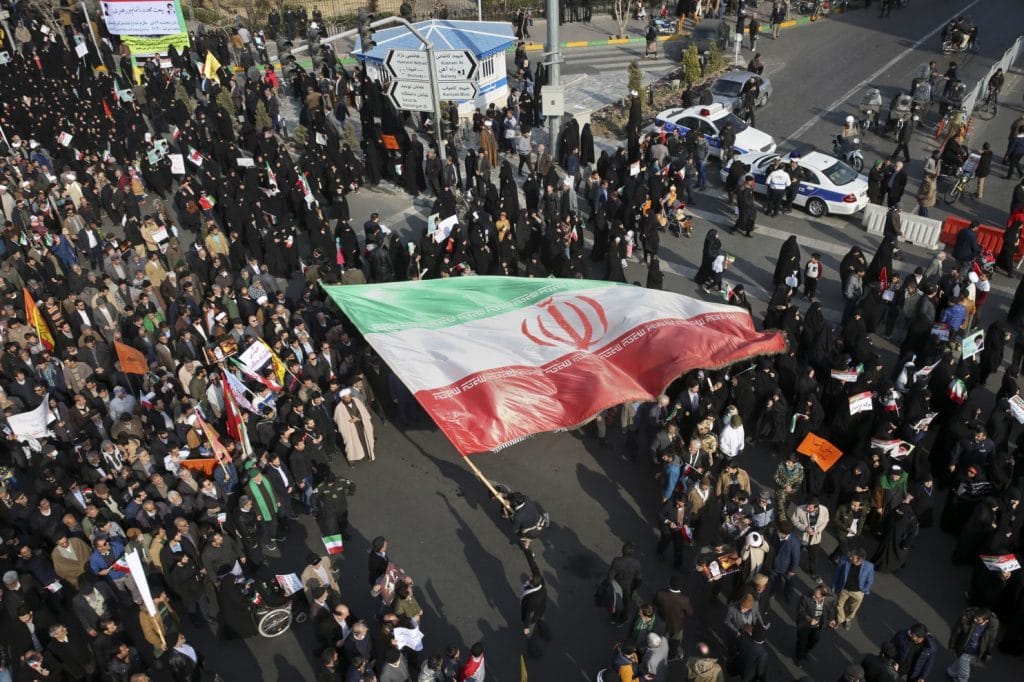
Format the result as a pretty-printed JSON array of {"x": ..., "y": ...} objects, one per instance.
[
  {"x": 552, "y": 64},
  {"x": 92, "y": 34},
  {"x": 435, "y": 94}
]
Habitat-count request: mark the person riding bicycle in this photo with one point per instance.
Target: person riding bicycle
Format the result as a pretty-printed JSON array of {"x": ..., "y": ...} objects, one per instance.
[
  {"x": 995, "y": 85},
  {"x": 953, "y": 156},
  {"x": 625, "y": 663}
]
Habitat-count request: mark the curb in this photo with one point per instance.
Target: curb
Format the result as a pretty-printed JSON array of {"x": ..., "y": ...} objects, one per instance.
[{"x": 537, "y": 47}]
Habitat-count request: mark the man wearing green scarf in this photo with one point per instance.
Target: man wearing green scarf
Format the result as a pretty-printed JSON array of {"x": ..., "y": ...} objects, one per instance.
[
  {"x": 264, "y": 501},
  {"x": 890, "y": 491}
]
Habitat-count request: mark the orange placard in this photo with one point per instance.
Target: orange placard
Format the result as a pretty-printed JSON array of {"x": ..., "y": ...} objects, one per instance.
[
  {"x": 132, "y": 360},
  {"x": 824, "y": 454},
  {"x": 204, "y": 465},
  {"x": 390, "y": 142}
]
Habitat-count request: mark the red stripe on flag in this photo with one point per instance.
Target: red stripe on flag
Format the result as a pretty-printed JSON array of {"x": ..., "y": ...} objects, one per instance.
[{"x": 638, "y": 365}]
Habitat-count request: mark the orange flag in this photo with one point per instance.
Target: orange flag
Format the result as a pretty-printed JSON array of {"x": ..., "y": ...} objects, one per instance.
[
  {"x": 824, "y": 454},
  {"x": 36, "y": 321},
  {"x": 132, "y": 360},
  {"x": 220, "y": 452}
]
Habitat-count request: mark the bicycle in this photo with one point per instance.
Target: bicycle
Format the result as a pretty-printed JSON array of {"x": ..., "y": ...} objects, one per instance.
[{"x": 986, "y": 108}]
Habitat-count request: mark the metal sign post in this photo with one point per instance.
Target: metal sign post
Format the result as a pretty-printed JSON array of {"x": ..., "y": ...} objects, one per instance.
[{"x": 553, "y": 70}]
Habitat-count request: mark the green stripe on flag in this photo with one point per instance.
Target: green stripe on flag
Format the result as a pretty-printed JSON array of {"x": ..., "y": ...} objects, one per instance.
[
  {"x": 333, "y": 544},
  {"x": 439, "y": 303}
]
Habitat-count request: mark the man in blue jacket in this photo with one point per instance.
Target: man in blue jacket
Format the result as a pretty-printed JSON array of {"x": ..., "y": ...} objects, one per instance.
[
  {"x": 916, "y": 650},
  {"x": 786, "y": 545},
  {"x": 966, "y": 247},
  {"x": 852, "y": 582}
]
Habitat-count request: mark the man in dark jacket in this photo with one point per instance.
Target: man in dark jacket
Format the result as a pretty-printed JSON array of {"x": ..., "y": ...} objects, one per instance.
[
  {"x": 896, "y": 184},
  {"x": 675, "y": 608},
  {"x": 817, "y": 613},
  {"x": 627, "y": 572},
  {"x": 966, "y": 247},
  {"x": 881, "y": 667},
  {"x": 786, "y": 547},
  {"x": 916, "y": 650},
  {"x": 72, "y": 652},
  {"x": 753, "y": 656},
  {"x": 973, "y": 638}
]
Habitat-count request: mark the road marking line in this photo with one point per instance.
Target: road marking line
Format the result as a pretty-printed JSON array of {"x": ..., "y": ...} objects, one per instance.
[{"x": 885, "y": 67}]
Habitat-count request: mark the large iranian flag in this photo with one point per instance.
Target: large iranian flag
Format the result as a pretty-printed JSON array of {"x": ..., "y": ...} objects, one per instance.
[{"x": 495, "y": 359}]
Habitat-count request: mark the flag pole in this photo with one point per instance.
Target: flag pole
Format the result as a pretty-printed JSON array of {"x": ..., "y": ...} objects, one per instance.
[{"x": 490, "y": 486}]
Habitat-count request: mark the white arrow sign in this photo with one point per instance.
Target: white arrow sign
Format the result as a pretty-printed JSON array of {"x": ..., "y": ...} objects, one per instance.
[
  {"x": 455, "y": 65},
  {"x": 411, "y": 95},
  {"x": 452, "y": 65},
  {"x": 407, "y": 65},
  {"x": 457, "y": 92}
]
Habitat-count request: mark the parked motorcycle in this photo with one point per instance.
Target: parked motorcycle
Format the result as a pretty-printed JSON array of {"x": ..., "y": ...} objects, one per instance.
[{"x": 815, "y": 8}]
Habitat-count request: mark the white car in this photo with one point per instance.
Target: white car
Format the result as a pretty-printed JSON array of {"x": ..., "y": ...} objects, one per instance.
[
  {"x": 709, "y": 120},
  {"x": 827, "y": 185}
]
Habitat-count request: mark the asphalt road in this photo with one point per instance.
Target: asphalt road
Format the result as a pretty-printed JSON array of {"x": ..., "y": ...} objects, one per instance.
[{"x": 446, "y": 533}]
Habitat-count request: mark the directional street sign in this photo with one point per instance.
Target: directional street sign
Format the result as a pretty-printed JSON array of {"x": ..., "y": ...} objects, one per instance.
[
  {"x": 411, "y": 95},
  {"x": 455, "y": 65},
  {"x": 457, "y": 92},
  {"x": 407, "y": 65},
  {"x": 452, "y": 65}
]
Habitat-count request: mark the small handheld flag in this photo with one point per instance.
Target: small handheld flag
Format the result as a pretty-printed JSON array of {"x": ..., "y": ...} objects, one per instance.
[{"x": 334, "y": 544}]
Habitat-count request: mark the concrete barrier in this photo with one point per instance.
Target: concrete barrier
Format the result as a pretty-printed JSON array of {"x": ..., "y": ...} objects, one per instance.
[
  {"x": 873, "y": 218},
  {"x": 917, "y": 230}
]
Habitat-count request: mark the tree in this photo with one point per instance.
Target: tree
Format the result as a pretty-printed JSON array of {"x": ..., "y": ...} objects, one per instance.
[
  {"x": 715, "y": 61},
  {"x": 224, "y": 100},
  {"x": 621, "y": 8},
  {"x": 348, "y": 135},
  {"x": 299, "y": 134},
  {"x": 262, "y": 117},
  {"x": 636, "y": 78},
  {"x": 50, "y": 12},
  {"x": 691, "y": 65}
]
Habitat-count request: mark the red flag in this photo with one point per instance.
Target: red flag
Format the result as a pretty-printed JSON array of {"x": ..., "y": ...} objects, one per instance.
[
  {"x": 106, "y": 109},
  {"x": 883, "y": 278},
  {"x": 231, "y": 411}
]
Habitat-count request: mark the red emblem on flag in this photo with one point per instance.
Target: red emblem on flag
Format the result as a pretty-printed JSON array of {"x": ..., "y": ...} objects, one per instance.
[{"x": 579, "y": 323}]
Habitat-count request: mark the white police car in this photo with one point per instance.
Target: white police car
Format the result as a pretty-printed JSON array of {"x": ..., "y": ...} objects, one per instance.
[
  {"x": 709, "y": 120},
  {"x": 827, "y": 185}
]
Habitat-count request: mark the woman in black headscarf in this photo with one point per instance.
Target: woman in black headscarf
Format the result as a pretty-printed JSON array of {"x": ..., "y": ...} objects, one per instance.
[
  {"x": 655, "y": 277},
  {"x": 814, "y": 323},
  {"x": 613, "y": 262},
  {"x": 881, "y": 261},
  {"x": 854, "y": 260},
  {"x": 991, "y": 358},
  {"x": 1005, "y": 259},
  {"x": 788, "y": 262},
  {"x": 712, "y": 247},
  {"x": 899, "y": 528},
  {"x": 586, "y": 145}
]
